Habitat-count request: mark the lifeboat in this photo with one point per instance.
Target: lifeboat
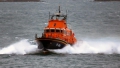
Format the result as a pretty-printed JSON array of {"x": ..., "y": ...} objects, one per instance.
[{"x": 56, "y": 34}]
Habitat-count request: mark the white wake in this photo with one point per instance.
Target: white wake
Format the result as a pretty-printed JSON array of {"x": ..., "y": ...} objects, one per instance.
[
  {"x": 81, "y": 47},
  {"x": 21, "y": 47},
  {"x": 93, "y": 47}
]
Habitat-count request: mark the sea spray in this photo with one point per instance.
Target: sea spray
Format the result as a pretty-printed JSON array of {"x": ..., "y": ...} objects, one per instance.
[
  {"x": 81, "y": 47},
  {"x": 78, "y": 48},
  {"x": 21, "y": 47},
  {"x": 85, "y": 47}
]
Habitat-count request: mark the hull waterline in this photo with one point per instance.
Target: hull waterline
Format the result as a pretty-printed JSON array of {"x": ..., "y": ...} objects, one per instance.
[{"x": 50, "y": 43}]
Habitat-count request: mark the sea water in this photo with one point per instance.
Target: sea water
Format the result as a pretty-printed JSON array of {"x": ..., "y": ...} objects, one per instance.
[{"x": 95, "y": 24}]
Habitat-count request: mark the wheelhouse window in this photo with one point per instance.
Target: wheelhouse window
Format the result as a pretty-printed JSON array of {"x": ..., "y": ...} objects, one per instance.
[
  {"x": 61, "y": 31},
  {"x": 47, "y": 30},
  {"x": 55, "y": 30},
  {"x": 58, "y": 31},
  {"x": 52, "y": 30}
]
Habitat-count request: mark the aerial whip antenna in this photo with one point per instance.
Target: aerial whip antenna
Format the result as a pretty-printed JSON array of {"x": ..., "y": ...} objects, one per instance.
[{"x": 59, "y": 9}]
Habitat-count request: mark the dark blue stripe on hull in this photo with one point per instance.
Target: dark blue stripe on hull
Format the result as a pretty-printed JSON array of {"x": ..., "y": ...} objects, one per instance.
[{"x": 50, "y": 43}]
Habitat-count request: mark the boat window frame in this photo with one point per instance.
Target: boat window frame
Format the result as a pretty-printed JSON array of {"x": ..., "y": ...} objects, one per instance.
[
  {"x": 58, "y": 31},
  {"x": 52, "y": 30},
  {"x": 47, "y": 30},
  {"x": 61, "y": 31}
]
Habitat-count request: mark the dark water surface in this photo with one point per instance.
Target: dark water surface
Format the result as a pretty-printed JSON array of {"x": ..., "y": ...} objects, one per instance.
[
  {"x": 60, "y": 61},
  {"x": 98, "y": 22}
]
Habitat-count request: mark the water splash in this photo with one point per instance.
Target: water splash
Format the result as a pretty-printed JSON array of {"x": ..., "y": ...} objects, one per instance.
[
  {"x": 81, "y": 47},
  {"x": 21, "y": 47},
  {"x": 92, "y": 47}
]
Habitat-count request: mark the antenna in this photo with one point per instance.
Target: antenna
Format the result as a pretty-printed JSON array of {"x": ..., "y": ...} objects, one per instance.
[
  {"x": 66, "y": 14},
  {"x": 59, "y": 9}
]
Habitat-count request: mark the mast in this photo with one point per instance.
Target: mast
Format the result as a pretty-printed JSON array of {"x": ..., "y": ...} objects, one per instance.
[
  {"x": 59, "y": 9},
  {"x": 58, "y": 15}
]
